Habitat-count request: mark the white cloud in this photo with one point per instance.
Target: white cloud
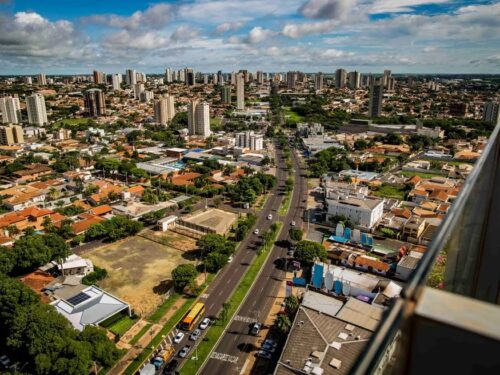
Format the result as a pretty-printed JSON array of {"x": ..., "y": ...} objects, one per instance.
[
  {"x": 296, "y": 31},
  {"x": 258, "y": 35},
  {"x": 228, "y": 26},
  {"x": 400, "y": 6},
  {"x": 136, "y": 40},
  {"x": 328, "y": 9},
  {"x": 184, "y": 33}
]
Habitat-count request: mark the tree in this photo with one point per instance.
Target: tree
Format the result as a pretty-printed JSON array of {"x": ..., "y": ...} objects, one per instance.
[
  {"x": 215, "y": 261},
  {"x": 296, "y": 234},
  {"x": 308, "y": 251},
  {"x": 182, "y": 275},
  {"x": 213, "y": 242},
  {"x": 226, "y": 306},
  {"x": 291, "y": 304},
  {"x": 283, "y": 323}
]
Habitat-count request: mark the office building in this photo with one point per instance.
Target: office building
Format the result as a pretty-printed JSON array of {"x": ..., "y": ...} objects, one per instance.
[
  {"x": 376, "y": 98},
  {"x": 138, "y": 88},
  {"x": 116, "y": 81},
  {"x": 226, "y": 94},
  {"x": 164, "y": 109},
  {"x": 240, "y": 92},
  {"x": 41, "y": 79},
  {"x": 11, "y": 110},
  {"x": 199, "y": 119},
  {"x": 491, "y": 112},
  {"x": 340, "y": 78},
  {"x": 10, "y": 135},
  {"x": 354, "y": 80},
  {"x": 318, "y": 81},
  {"x": 130, "y": 77},
  {"x": 37, "y": 112},
  {"x": 249, "y": 139},
  {"x": 99, "y": 77},
  {"x": 291, "y": 78},
  {"x": 94, "y": 103}
]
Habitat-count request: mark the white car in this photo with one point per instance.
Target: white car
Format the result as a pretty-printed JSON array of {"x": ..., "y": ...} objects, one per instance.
[
  {"x": 256, "y": 231},
  {"x": 264, "y": 354},
  {"x": 230, "y": 259},
  {"x": 204, "y": 323},
  {"x": 178, "y": 338},
  {"x": 292, "y": 223},
  {"x": 269, "y": 217}
]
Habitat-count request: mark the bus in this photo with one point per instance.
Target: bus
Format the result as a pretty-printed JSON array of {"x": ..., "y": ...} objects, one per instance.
[{"x": 192, "y": 317}]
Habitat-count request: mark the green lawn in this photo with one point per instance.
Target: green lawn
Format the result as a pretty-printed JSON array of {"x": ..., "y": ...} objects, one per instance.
[
  {"x": 390, "y": 191},
  {"x": 119, "y": 325},
  {"x": 173, "y": 321},
  {"x": 163, "y": 308},
  {"x": 285, "y": 205},
  {"x": 71, "y": 121},
  {"x": 139, "y": 334},
  {"x": 419, "y": 174},
  {"x": 209, "y": 340},
  {"x": 292, "y": 116}
]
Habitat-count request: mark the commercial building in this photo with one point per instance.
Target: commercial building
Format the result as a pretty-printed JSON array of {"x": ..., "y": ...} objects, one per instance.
[
  {"x": 199, "y": 119},
  {"x": 11, "y": 110},
  {"x": 240, "y": 92},
  {"x": 376, "y": 99},
  {"x": 164, "y": 109},
  {"x": 11, "y": 134},
  {"x": 340, "y": 78},
  {"x": 37, "y": 112},
  {"x": 94, "y": 103},
  {"x": 364, "y": 213}
]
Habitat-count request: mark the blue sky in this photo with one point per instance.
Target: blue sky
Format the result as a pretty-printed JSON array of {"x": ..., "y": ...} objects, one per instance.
[{"x": 407, "y": 36}]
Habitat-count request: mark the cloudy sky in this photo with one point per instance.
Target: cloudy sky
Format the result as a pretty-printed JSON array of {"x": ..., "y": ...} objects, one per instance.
[{"x": 407, "y": 36}]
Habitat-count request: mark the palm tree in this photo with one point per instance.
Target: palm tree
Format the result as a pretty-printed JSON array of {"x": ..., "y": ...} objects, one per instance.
[
  {"x": 53, "y": 193},
  {"x": 283, "y": 323},
  {"x": 291, "y": 304}
]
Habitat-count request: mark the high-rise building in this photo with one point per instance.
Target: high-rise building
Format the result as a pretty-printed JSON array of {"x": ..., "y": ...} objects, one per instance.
[
  {"x": 385, "y": 78},
  {"x": 354, "y": 80},
  {"x": 220, "y": 78},
  {"x": 376, "y": 98},
  {"x": 260, "y": 77},
  {"x": 458, "y": 109},
  {"x": 340, "y": 78},
  {"x": 116, "y": 80},
  {"x": 215, "y": 79},
  {"x": 291, "y": 77},
  {"x": 41, "y": 79},
  {"x": 28, "y": 80},
  {"x": 11, "y": 110},
  {"x": 37, "y": 112},
  {"x": 11, "y": 134},
  {"x": 233, "y": 78},
  {"x": 226, "y": 94},
  {"x": 249, "y": 139},
  {"x": 138, "y": 88},
  {"x": 189, "y": 76},
  {"x": 94, "y": 102},
  {"x": 141, "y": 77},
  {"x": 318, "y": 81},
  {"x": 99, "y": 77},
  {"x": 146, "y": 96},
  {"x": 130, "y": 77},
  {"x": 491, "y": 112},
  {"x": 164, "y": 109},
  {"x": 199, "y": 119},
  {"x": 240, "y": 92},
  {"x": 366, "y": 80}
]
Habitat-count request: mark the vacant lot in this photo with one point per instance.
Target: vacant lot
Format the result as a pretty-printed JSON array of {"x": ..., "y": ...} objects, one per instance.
[{"x": 139, "y": 269}]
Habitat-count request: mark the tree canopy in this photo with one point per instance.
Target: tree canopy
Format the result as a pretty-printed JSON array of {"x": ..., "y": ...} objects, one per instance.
[{"x": 308, "y": 251}]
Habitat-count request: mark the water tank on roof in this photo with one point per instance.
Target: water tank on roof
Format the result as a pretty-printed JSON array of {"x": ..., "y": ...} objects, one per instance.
[
  {"x": 356, "y": 235},
  {"x": 329, "y": 280},
  {"x": 339, "y": 230},
  {"x": 346, "y": 288}
]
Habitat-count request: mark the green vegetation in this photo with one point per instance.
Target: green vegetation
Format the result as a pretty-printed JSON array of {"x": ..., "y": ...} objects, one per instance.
[
  {"x": 139, "y": 334},
  {"x": 205, "y": 347},
  {"x": 292, "y": 116},
  {"x": 419, "y": 174},
  {"x": 248, "y": 188},
  {"x": 163, "y": 308},
  {"x": 93, "y": 277},
  {"x": 172, "y": 322},
  {"x": 183, "y": 275},
  {"x": 308, "y": 251},
  {"x": 391, "y": 191},
  {"x": 295, "y": 234},
  {"x": 114, "y": 229},
  {"x": 119, "y": 324},
  {"x": 285, "y": 204}
]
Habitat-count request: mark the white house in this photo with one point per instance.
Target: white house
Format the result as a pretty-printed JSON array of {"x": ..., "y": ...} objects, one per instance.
[{"x": 364, "y": 213}]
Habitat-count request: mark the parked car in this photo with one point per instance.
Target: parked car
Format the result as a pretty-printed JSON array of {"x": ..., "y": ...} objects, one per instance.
[
  {"x": 195, "y": 335},
  {"x": 170, "y": 367},
  {"x": 264, "y": 354},
  {"x": 270, "y": 342},
  {"x": 292, "y": 223},
  {"x": 205, "y": 323},
  {"x": 256, "y": 328},
  {"x": 184, "y": 351},
  {"x": 256, "y": 231},
  {"x": 268, "y": 348},
  {"x": 178, "y": 338},
  {"x": 230, "y": 259},
  {"x": 269, "y": 217}
]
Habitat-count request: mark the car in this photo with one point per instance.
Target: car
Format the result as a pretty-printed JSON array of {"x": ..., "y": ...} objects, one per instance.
[
  {"x": 270, "y": 342},
  {"x": 292, "y": 223},
  {"x": 256, "y": 328},
  {"x": 230, "y": 259},
  {"x": 256, "y": 231},
  {"x": 290, "y": 252},
  {"x": 205, "y": 323},
  {"x": 264, "y": 354},
  {"x": 268, "y": 348},
  {"x": 269, "y": 217},
  {"x": 184, "y": 351},
  {"x": 170, "y": 367},
  {"x": 178, "y": 338},
  {"x": 195, "y": 335}
]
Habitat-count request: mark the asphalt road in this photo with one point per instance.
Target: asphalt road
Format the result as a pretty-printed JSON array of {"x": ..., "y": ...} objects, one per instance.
[
  {"x": 237, "y": 343},
  {"x": 221, "y": 288}
]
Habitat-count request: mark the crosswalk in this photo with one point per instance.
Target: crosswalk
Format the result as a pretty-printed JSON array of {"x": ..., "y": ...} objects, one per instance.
[
  {"x": 224, "y": 357},
  {"x": 244, "y": 319}
]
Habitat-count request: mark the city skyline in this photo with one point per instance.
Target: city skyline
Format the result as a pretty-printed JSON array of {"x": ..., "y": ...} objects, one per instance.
[{"x": 407, "y": 36}]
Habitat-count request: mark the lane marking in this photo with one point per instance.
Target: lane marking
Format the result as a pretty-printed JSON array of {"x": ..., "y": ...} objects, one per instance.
[
  {"x": 224, "y": 357},
  {"x": 204, "y": 295},
  {"x": 245, "y": 319}
]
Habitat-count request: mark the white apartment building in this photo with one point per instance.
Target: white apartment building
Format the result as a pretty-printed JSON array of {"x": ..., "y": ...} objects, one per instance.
[
  {"x": 240, "y": 92},
  {"x": 116, "y": 80},
  {"x": 37, "y": 112},
  {"x": 11, "y": 110},
  {"x": 364, "y": 213},
  {"x": 199, "y": 119},
  {"x": 138, "y": 89},
  {"x": 249, "y": 139},
  {"x": 164, "y": 109}
]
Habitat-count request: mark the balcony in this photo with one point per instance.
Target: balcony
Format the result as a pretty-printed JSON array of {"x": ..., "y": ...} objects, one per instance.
[{"x": 455, "y": 328}]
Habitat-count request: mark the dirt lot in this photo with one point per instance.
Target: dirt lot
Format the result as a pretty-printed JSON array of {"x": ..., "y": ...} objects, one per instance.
[
  {"x": 139, "y": 269},
  {"x": 214, "y": 218}
]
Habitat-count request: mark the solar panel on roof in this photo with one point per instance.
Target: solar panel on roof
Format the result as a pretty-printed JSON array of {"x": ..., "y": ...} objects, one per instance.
[{"x": 79, "y": 298}]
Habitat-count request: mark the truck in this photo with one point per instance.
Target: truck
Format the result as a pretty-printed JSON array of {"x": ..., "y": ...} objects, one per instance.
[{"x": 164, "y": 356}]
